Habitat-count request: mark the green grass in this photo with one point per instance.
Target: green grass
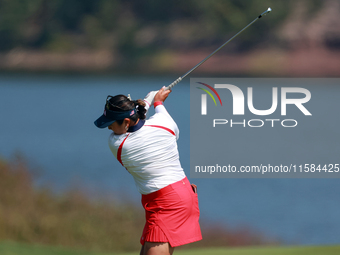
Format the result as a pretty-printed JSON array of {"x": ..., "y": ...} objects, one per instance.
[
  {"x": 294, "y": 250},
  {"x": 13, "y": 248}
]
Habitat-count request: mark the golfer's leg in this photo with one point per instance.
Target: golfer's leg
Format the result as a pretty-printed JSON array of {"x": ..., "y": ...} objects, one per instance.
[{"x": 157, "y": 248}]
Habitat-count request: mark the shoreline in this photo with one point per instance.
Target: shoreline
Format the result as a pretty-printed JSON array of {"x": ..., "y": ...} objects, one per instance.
[{"x": 270, "y": 62}]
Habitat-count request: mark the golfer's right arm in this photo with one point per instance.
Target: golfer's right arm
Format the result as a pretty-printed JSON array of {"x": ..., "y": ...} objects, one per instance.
[
  {"x": 159, "y": 99},
  {"x": 159, "y": 107}
]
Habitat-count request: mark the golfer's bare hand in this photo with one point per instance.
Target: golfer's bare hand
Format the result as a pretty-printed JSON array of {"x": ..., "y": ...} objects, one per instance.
[{"x": 162, "y": 95}]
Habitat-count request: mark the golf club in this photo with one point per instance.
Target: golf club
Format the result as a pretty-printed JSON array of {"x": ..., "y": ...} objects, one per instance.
[{"x": 200, "y": 63}]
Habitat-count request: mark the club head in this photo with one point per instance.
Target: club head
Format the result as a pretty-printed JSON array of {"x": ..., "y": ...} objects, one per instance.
[{"x": 265, "y": 12}]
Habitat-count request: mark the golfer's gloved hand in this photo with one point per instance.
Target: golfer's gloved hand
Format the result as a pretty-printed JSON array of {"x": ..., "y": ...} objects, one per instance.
[{"x": 149, "y": 99}]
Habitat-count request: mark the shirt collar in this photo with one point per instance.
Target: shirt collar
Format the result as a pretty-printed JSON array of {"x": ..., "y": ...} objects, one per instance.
[{"x": 137, "y": 126}]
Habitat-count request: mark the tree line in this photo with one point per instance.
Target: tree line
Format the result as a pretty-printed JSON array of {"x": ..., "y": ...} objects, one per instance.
[{"x": 133, "y": 25}]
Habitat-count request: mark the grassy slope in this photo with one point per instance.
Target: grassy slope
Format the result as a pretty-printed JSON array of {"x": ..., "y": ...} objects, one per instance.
[{"x": 11, "y": 248}]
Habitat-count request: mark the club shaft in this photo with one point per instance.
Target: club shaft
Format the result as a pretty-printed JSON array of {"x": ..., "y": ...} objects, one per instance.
[
  {"x": 224, "y": 44},
  {"x": 200, "y": 63}
]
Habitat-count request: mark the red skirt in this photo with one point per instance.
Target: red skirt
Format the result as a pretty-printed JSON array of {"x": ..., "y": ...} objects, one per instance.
[{"x": 172, "y": 215}]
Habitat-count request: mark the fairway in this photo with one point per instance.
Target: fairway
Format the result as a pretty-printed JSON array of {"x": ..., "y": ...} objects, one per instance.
[{"x": 12, "y": 248}]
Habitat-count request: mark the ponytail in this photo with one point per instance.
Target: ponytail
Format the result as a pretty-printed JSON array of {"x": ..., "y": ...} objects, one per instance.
[{"x": 141, "y": 111}]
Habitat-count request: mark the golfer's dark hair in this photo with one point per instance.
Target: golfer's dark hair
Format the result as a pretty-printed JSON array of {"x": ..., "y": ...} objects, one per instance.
[{"x": 122, "y": 103}]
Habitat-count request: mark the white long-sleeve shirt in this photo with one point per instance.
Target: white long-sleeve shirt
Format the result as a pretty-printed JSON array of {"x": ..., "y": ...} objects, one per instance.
[{"x": 149, "y": 152}]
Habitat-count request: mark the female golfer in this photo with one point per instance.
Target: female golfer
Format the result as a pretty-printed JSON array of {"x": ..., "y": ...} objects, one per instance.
[{"x": 148, "y": 151}]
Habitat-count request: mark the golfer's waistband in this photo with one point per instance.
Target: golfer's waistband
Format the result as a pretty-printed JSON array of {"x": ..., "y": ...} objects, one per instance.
[{"x": 166, "y": 189}]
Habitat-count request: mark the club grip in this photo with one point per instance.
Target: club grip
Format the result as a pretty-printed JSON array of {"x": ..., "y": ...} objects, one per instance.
[{"x": 174, "y": 83}]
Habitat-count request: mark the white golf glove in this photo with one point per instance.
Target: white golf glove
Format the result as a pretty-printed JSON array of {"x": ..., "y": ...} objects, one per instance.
[{"x": 149, "y": 99}]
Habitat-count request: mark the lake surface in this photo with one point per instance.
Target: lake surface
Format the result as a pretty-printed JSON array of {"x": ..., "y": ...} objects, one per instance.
[{"x": 49, "y": 119}]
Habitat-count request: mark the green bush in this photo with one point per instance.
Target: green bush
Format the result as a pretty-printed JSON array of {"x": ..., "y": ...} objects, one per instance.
[{"x": 39, "y": 216}]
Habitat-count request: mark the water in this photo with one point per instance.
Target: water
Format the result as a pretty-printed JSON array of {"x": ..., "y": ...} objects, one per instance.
[{"x": 49, "y": 119}]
